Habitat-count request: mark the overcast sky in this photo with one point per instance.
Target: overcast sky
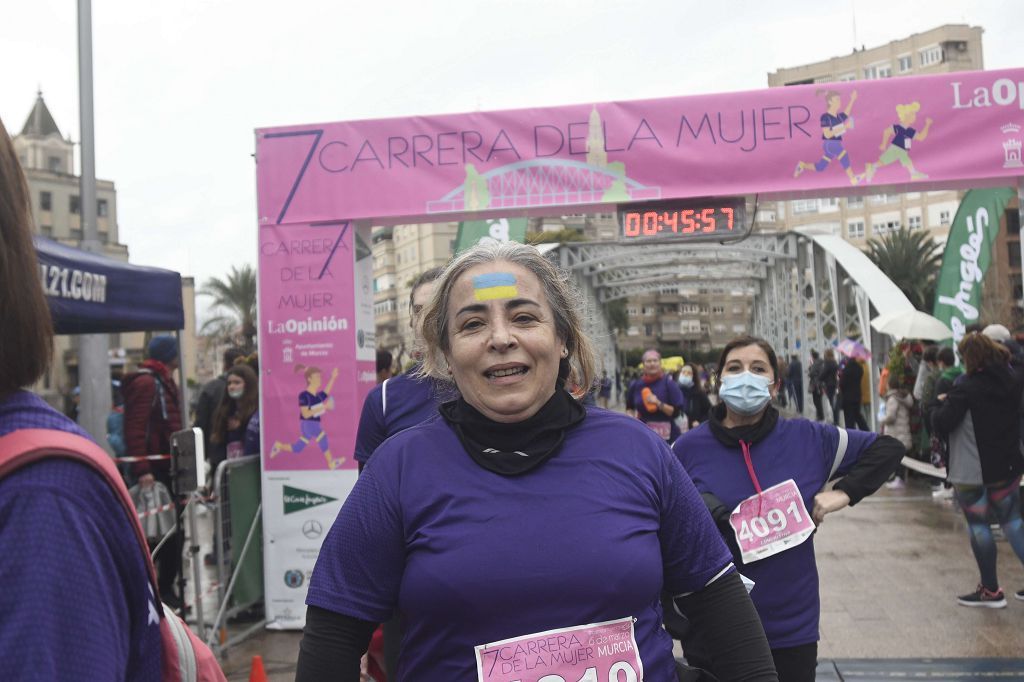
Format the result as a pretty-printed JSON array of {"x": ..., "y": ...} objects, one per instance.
[{"x": 180, "y": 86}]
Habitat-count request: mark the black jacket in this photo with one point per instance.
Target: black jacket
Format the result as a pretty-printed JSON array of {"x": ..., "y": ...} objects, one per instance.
[
  {"x": 980, "y": 416},
  {"x": 849, "y": 382}
]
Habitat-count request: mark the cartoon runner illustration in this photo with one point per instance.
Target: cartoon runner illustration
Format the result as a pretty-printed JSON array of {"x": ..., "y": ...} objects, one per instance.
[
  {"x": 312, "y": 404},
  {"x": 896, "y": 142},
  {"x": 833, "y": 125}
]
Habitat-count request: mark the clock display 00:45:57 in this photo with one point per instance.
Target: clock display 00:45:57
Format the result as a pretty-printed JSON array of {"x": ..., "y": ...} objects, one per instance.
[{"x": 687, "y": 221}]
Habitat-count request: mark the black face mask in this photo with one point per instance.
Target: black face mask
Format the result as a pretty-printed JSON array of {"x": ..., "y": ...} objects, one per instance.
[{"x": 514, "y": 449}]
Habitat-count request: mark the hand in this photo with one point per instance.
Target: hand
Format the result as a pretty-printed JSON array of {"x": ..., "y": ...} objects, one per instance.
[
  {"x": 882, "y": 147},
  {"x": 828, "y": 502},
  {"x": 146, "y": 480},
  {"x": 928, "y": 121},
  {"x": 940, "y": 397},
  {"x": 334, "y": 373},
  {"x": 694, "y": 424}
]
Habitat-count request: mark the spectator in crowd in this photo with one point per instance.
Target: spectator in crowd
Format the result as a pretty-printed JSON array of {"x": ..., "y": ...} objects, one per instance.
[
  {"x": 211, "y": 395},
  {"x": 231, "y": 419},
  {"x": 830, "y": 381},
  {"x": 458, "y": 523},
  {"x": 76, "y": 601},
  {"x": 898, "y": 404},
  {"x": 815, "y": 385},
  {"x": 850, "y": 394},
  {"x": 796, "y": 382},
  {"x": 252, "y": 430},
  {"x": 604, "y": 390},
  {"x": 980, "y": 416},
  {"x": 385, "y": 366},
  {"x": 151, "y": 414},
  {"x": 696, "y": 405}
]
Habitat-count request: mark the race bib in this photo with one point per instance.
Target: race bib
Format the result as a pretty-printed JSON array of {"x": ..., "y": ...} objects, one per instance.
[
  {"x": 599, "y": 652},
  {"x": 663, "y": 429},
  {"x": 771, "y": 522}
]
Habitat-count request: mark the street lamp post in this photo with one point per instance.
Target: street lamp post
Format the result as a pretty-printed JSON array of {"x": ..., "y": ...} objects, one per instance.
[{"x": 93, "y": 363}]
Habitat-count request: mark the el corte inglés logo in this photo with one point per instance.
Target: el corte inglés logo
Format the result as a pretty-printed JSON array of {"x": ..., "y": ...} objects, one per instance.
[{"x": 297, "y": 499}]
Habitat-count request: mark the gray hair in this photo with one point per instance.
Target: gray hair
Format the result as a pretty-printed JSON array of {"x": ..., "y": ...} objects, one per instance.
[{"x": 567, "y": 306}]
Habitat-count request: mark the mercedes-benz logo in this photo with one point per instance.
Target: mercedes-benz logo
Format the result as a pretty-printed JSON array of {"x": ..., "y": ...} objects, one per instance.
[{"x": 312, "y": 529}]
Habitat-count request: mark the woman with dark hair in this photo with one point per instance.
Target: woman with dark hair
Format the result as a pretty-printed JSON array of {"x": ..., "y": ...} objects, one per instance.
[
  {"x": 761, "y": 477},
  {"x": 980, "y": 416},
  {"x": 467, "y": 525},
  {"x": 231, "y": 418},
  {"x": 74, "y": 574},
  {"x": 696, "y": 405}
]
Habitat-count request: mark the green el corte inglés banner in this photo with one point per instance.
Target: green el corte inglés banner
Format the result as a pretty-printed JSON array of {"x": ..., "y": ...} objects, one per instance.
[
  {"x": 473, "y": 232},
  {"x": 967, "y": 257}
]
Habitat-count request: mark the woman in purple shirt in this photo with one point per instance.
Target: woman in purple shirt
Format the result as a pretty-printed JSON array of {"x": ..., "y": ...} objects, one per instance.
[{"x": 518, "y": 535}]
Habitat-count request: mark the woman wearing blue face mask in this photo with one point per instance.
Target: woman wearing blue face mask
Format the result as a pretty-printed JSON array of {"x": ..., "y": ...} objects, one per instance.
[
  {"x": 696, "y": 405},
  {"x": 761, "y": 476}
]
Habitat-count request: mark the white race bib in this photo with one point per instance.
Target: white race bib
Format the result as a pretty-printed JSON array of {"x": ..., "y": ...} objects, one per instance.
[{"x": 599, "y": 652}]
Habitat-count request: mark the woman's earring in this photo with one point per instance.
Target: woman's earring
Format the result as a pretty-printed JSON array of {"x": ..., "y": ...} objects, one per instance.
[{"x": 565, "y": 352}]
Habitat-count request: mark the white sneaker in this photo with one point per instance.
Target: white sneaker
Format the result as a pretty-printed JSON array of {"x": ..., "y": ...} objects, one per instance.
[
  {"x": 942, "y": 493},
  {"x": 895, "y": 484}
]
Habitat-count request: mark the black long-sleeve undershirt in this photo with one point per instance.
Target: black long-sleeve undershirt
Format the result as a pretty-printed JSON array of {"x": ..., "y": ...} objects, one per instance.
[{"x": 332, "y": 643}]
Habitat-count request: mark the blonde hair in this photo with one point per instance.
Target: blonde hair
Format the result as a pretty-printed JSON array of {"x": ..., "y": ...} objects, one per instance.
[
  {"x": 903, "y": 109},
  {"x": 566, "y": 303}
]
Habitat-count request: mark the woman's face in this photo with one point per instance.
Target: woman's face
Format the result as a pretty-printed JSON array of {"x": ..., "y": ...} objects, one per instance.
[
  {"x": 749, "y": 359},
  {"x": 652, "y": 364},
  {"x": 503, "y": 349},
  {"x": 236, "y": 386},
  {"x": 686, "y": 372}
]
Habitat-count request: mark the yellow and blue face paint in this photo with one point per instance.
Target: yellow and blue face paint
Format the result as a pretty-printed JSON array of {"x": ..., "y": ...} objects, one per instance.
[{"x": 495, "y": 285}]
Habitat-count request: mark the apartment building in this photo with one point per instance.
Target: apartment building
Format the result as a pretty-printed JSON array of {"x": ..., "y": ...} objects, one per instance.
[{"x": 47, "y": 158}]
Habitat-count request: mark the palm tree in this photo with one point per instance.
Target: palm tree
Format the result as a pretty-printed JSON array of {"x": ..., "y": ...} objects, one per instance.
[
  {"x": 911, "y": 259},
  {"x": 234, "y": 301}
]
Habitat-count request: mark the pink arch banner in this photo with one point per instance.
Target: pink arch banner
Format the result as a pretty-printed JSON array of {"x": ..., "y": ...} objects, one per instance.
[{"x": 950, "y": 130}]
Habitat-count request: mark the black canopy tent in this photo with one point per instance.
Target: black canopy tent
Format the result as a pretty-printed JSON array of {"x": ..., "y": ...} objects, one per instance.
[{"x": 93, "y": 294}]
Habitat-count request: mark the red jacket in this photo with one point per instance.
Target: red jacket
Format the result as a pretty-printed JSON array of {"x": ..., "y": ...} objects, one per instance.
[{"x": 145, "y": 410}]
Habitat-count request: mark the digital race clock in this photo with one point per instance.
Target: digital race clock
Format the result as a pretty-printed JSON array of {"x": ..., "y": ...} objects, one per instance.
[{"x": 690, "y": 220}]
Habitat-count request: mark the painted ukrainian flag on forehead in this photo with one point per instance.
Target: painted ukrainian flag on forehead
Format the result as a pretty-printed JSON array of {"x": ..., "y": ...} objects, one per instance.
[{"x": 495, "y": 285}]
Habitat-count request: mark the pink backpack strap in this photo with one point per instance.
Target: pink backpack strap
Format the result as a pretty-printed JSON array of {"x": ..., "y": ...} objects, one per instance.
[{"x": 26, "y": 446}]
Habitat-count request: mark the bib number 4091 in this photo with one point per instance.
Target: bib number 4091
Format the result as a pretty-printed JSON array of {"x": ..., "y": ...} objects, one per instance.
[{"x": 774, "y": 521}]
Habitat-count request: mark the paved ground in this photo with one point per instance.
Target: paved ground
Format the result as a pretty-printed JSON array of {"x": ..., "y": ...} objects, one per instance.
[{"x": 890, "y": 568}]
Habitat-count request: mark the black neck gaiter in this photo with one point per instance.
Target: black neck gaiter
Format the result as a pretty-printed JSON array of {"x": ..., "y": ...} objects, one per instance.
[{"x": 514, "y": 449}]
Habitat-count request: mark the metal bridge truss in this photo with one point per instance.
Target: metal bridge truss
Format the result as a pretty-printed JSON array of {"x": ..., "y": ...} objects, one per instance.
[{"x": 808, "y": 290}]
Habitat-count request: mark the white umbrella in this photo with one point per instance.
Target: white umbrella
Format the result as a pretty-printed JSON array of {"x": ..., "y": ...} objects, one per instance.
[{"x": 912, "y": 325}]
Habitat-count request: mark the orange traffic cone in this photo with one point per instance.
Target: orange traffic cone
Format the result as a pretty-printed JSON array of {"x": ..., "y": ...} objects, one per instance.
[{"x": 257, "y": 673}]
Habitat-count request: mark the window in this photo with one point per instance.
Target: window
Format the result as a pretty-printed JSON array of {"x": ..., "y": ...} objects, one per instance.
[
  {"x": 1014, "y": 256},
  {"x": 648, "y": 330},
  {"x": 855, "y": 201},
  {"x": 805, "y": 206},
  {"x": 885, "y": 227},
  {"x": 913, "y": 222},
  {"x": 944, "y": 218},
  {"x": 76, "y": 234},
  {"x": 855, "y": 230},
  {"x": 883, "y": 198},
  {"x": 879, "y": 70},
  {"x": 848, "y": 77},
  {"x": 632, "y": 311},
  {"x": 53, "y": 164},
  {"x": 739, "y": 328},
  {"x": 46, "y": 230},
  {"x": 737, "y": 310},
  {"x": 930, "y": 55},
  {"x": 905, "y": 63},
  {"x": 718, "y": 310},
  {"x": 829, "y": 204},
  {"x": 74, "y": 204},
  {"x": 45, "y": 201},
  {"x": 101, "y": 208}
]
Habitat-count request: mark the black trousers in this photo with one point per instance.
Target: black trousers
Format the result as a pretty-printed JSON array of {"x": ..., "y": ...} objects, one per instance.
[
  {"x": 796, "y": 663},
  {"x": 819, "y": 408},
  {"x": 853, "y": 416}
]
